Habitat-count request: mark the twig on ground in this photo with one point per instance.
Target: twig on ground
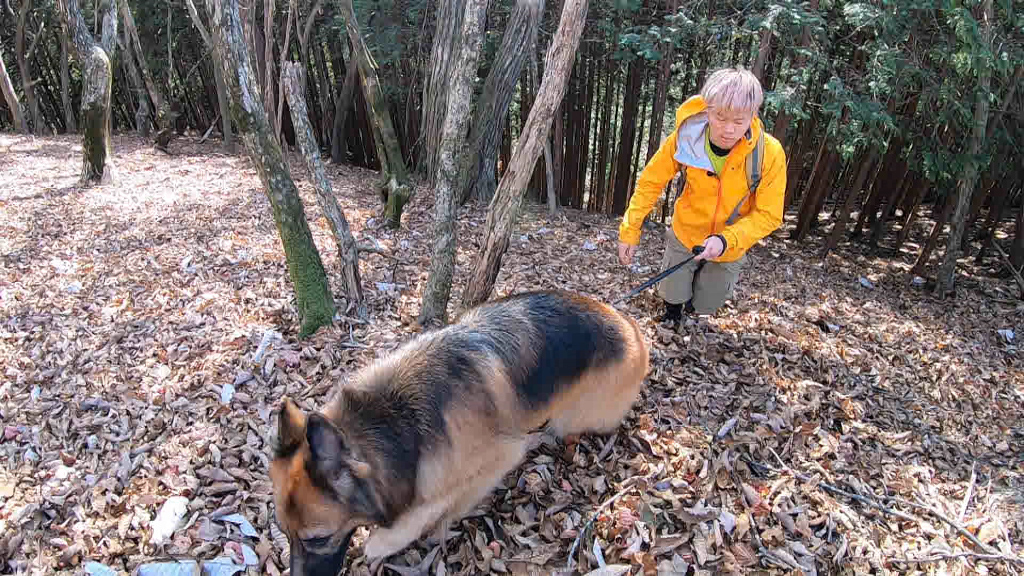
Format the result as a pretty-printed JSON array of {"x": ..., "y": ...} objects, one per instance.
[
  {"x": 987, "y": 550},
  {"x": 761, "y": 550},
  {"x": 840, "y": 492},
  {"x": 626, "y": 487},
  {"x": 967, "y": 496},
  {"x": 607, "y": 447},
  {"x": 145, "y": 448},
  {"x": 974, "y": 555},
  {"x": 1009, "y": 264},
  {"x": 955, "y": 525},
  {"x": 370, "y": 248},
  {"x": 210, "y": 129}
]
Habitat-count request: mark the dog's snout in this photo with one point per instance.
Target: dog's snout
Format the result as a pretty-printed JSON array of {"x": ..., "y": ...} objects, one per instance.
[{"x": 305, "y": 563}]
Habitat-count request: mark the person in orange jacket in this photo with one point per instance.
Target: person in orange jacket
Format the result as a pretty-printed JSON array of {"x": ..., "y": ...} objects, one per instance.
[{"x": 716, "y": 131}]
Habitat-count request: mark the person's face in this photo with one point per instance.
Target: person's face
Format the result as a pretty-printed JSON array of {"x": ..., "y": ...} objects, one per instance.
[{"x": 728, "y": 126}]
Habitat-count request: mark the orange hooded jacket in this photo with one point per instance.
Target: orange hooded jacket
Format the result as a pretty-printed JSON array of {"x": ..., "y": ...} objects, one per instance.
[{"x": 708, "y": 200}]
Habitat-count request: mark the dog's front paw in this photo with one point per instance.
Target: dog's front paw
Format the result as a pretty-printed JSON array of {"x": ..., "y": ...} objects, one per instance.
[{"x": 383, "y": 543}]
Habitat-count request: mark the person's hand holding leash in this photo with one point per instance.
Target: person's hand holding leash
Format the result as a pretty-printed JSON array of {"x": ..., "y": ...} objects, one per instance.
[
  {"x": 626, "y": 253},
  {"x": 714, "y": 246}
]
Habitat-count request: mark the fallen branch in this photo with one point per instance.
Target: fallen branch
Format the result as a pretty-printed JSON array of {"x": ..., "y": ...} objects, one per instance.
[
  {"x": 626, "y": 487},
  {"x": 960, "y": 529},
  {"x": 1009, "y": 264},
  {"x": 967, "y": 497},
  {"x": 763, "y": 552},
  {"x": 210, "y": 129},
  {"x": 972, "y": 555},
  {"x": 987, "y": 550},
  {"x": 370, "y": 248}
]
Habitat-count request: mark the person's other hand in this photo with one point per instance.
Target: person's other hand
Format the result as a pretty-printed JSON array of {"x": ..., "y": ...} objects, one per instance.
[
  {"x": 626, "y": 253},
  {"x": 714, "y": 246}
]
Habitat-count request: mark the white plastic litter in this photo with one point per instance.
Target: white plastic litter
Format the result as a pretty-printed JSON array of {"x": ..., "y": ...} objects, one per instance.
[{"x": 168, "y": 520}]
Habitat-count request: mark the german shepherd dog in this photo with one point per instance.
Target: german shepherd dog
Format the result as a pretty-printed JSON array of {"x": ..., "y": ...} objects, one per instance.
[{"x": 419, "y": 438}]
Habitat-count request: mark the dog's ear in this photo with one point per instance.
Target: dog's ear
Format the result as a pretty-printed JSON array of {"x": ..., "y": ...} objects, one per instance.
[
  {"x": 331, "y": 455},
  {"x": 291, "y": 427}
]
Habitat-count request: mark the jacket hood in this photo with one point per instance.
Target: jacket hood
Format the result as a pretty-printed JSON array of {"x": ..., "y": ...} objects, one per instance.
[{"x": 691, "y": 122}]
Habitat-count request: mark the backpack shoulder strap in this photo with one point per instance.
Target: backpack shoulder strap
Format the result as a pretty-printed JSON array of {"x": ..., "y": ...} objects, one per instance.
[{"x": 754, "y": 168}]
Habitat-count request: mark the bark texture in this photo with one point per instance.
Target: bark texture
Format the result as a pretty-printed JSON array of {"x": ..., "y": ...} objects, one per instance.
[
  {"x": 341, "y": 107},
  {"x": 844, "y": 213},
  {"x": 22, "y": 55},
  {"x": 11, "y": 97},
  {"x": 312, "y": 292},
  {"x": 218, "y": 75},
  {"x": 395, "y": 186},
  {"x": 437, "y": 292},
  {"x": 965, "y": 185},
  {"x": 70, "y": 123},
  {"x": 435, "y": 88},
  {"x": 477, "y": 171},
  {"x": 348, "y": 253},
  {"x": 96, "y": 87},
  {"x": 504, "y": 208},
  {"x": 142, "y": 124}
]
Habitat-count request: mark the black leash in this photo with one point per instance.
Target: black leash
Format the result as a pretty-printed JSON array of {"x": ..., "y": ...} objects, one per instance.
[{"x": 696, "y": 252}]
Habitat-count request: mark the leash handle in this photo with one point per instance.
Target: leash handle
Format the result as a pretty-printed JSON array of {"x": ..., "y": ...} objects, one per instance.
[{"x": 696, "y": 252}]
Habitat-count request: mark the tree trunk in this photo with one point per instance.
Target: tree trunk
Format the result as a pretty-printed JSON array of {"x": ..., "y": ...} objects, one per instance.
[
  {"x": 312, "y": 291},
  {"x": 284, "y": 56},
  {"x": 435, "y": 87},
  {"x": 96, "y": 87},
  {"x": 889, "y": 201},
  {"x": 920, "y": 188},
  {"x": 434, "y": 309},
  {"x": 1000, "y": 200},
  {"x": 142, "y": 123},
  {"x": 70, "y": 124},
  {"x": 781, "y": 125},
  {"x": 660, "y": 96},
  {"x": 808, "y": 200},
  {"x": 396, "y": 188},
  {"x": 348, "y": 253},
  {"x": 762, "y": 53},
  {"x": 844, "y": 214},
  {"x": 11, "y": 97},
  {"x": 268, "y": 59},
  {"x": 628, "y": 130},
  {"x": 965, "y": 185},
  {"x": 22, "y": 57},
  {"x": 477, "y": 166},
  {"x": 1017, "y": 250},
  {"x": 600, "y": 188},
  {"x": 223, "y": 99},
  {"x": 341, "y": 107},
  {"x": 504, "y": 210},
  {"x": 926, "y": 251},
  {"x": 549, "y": 179}
]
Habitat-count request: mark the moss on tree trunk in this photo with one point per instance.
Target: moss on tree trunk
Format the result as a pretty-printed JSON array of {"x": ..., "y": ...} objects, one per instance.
[
  {"x": 396, "y": 188},
  {"x": 348, "y": 254},
  {"x": 97, "y": 75},
  {"x": 312, "y": 292}
]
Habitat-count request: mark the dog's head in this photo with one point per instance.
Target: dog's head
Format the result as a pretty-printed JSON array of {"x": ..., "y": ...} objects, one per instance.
[{"x": 322, "y": 490}]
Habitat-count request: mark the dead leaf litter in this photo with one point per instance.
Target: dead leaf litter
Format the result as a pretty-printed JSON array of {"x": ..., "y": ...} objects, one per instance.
[{"x": 833, "y": 419}]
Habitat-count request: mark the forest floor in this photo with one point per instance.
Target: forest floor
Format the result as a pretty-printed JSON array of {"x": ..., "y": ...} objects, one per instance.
[{"x": 835, "y": 419}]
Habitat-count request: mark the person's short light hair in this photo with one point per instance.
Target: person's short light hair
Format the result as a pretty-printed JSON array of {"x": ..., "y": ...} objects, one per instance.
[{"x": 734, "y": 89}]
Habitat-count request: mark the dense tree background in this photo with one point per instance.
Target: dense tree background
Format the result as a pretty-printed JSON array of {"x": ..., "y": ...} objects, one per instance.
[{"x": 889, "y": 111}]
